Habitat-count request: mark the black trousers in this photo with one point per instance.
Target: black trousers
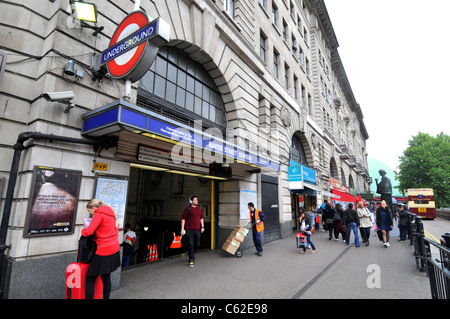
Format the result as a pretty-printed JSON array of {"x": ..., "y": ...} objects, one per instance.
[
  {"x": 90, "y": 281},
  {"x": 194, "y": 242}
]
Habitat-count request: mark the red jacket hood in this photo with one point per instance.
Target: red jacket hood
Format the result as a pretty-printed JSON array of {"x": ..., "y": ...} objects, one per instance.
[{"x": 105, "y": 210}]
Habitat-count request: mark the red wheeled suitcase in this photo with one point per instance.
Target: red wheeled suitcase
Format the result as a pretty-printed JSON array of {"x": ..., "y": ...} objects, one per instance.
[{"x": 75, "y": 282}]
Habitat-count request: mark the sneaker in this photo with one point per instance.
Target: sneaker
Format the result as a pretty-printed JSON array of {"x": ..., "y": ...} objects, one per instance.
[
  {"x": 191, "y": 264},
  {"x": 388, "y": 245},
  {"x": 385, "y": 245}
]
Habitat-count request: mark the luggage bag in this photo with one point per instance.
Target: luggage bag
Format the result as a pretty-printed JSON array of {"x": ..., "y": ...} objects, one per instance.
[
  {"x": 75, "y": 282},
  {"x": 301, "y": 240}
]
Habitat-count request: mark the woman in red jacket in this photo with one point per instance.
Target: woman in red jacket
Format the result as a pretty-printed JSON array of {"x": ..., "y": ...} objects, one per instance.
[{"x": 105, "y": 227}]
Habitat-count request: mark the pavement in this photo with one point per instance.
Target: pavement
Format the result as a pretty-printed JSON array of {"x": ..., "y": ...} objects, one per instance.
[{"x": 335, "y": 271}]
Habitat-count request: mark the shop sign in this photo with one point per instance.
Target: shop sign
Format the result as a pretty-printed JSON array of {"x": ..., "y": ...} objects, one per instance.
[
  {"x": 337, "y": 185},
  {"x": 308, "y": 174},
  {"x": 100, "y": 166}
]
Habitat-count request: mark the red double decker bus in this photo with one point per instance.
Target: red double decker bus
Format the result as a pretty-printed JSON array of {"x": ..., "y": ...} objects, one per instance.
[{"x": 421, "y": 202}]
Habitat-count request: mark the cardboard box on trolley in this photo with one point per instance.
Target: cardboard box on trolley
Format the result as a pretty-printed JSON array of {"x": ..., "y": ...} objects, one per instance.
[
  {"x": 235, "y": 239},
  {"x": 238, "y": 234}
]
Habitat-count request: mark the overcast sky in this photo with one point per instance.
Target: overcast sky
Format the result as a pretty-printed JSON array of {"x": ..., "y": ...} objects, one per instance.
[{"x": 396, "y": 54}]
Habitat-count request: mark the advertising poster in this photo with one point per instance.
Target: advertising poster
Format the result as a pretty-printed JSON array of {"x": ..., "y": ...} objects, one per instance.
[
  {"x": 53, "y": 202},
  {"x": 113, "y": 191}
]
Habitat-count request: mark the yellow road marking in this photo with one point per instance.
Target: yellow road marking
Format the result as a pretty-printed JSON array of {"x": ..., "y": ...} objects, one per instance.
[{"x": 431, "y": 237}]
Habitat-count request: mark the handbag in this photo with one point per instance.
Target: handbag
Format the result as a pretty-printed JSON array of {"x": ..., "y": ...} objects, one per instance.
[
  {"x": 86, "y": 249},
  {"x": 380, "y": 235}
]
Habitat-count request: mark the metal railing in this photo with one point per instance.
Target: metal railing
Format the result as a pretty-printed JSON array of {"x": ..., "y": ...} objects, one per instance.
[
  {"x": 425, "y": 252},
  {"x": 438, "y": 270}
]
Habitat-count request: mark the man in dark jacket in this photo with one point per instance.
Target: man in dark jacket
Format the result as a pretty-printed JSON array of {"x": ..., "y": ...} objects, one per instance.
[{"x": 352, "y": 221}]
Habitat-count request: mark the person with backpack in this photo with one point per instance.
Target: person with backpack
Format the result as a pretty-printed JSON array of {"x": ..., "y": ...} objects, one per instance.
[
  {"x": 338, "y": 225},
  {"x": 328, "y": 215},
  {"x": 193, "y": 225}
]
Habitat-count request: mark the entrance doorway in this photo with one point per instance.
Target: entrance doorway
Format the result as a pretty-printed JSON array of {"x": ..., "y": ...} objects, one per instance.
[
  {"x": 269, "y": 201},
  {"x": 156, "y": 201}
]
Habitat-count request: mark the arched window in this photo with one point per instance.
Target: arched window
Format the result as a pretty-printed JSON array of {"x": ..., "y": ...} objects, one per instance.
[
  {"x": 297, "y": 152},
  {"x": 180, "y": 88},
  {"x": 351, "y": 184}
]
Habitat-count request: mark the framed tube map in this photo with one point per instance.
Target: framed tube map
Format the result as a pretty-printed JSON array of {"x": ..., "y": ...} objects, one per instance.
[
  {"x": 112, "y": 189},
  {"x": 53, "y": 202}
]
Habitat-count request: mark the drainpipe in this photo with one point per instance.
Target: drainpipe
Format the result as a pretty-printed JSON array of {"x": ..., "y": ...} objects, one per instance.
[{"x": 18, "y": 148}]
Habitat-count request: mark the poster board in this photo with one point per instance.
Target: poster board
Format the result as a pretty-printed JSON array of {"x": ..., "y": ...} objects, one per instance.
[
  {"x": 112, "y": 189},
  {"x": 245, "y": 197},
  {"x": 53, "y": 202}
]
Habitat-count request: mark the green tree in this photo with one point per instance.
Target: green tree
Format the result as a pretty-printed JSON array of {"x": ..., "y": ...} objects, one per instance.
[{"x": 426, "y": 164}]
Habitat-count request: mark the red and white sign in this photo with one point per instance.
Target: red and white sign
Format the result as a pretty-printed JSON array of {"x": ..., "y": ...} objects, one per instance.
[
  {"x": 130, "y": 53},
  {"x": 124, "y": 63}
]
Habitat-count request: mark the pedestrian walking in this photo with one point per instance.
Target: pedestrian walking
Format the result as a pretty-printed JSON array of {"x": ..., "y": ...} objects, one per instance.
[
  {"x": 384, "y": 222},
  {"x": 402, "y": 215},
  {"x": 105, "y": 227},
  {"x": 192, "y": 224},
  {"x": 338, "y": 226},
  {"x": 365, "y": 222},
  {"x": 328, "y": 214},
  {"x": 257, "y": 219},
  {"x": 316, "y": 214},
  {"x": 351, "y": 220},
  {"x": 305, "y": 227}
]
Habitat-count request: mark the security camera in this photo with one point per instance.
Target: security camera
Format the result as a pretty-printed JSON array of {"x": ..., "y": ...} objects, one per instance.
[{"x": 59, "y": 96}]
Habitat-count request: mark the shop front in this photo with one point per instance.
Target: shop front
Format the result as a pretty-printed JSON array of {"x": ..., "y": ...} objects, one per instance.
[
  {"x": 342, "y": 194},
  {"x": 171, "y": 161},
  {"x": 303, "y": 188}
]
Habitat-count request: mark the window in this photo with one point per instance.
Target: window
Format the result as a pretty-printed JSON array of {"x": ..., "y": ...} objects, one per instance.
[
  {"x": 295, "y": 87},
  {"x": 229, "y": 7},
  {"x": 286, "y": 76},
  {"x": 274, "y": 14},
  {"x": 285, "y": 31},
  {"x": 180, "y": 81},
  {"x": 297, "y": 152},
  {"x": 276, "y": 57},
  {"x": 262, "y": 46},
  {"x": 301, "y": 56}
]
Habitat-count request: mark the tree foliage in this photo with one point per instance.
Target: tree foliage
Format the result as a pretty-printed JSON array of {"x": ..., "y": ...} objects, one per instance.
[{"x": 426, "y": 164}]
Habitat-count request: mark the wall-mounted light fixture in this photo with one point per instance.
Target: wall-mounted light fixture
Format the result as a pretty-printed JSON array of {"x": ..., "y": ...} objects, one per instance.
[
  {"x": 69, "y": 70},
  {"x": 86, "y": 11}
]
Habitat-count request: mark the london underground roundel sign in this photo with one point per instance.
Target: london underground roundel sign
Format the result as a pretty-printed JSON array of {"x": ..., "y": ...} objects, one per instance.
[{"x": 130, "y": 54}]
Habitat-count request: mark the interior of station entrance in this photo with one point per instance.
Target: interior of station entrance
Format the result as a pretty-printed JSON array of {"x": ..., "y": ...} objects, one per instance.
[{"x": 156, "y": 201}]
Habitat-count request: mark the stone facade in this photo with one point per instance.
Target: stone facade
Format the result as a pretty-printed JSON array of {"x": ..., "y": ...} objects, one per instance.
[{"x": 274, "y": 62}]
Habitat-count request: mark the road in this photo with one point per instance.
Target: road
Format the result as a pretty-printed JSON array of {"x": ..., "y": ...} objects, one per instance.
[{"x": 434, "y": 229}]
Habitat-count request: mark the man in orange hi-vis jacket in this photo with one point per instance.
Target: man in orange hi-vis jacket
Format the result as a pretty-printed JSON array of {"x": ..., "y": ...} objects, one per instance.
[{"x": 257, "y": 219}]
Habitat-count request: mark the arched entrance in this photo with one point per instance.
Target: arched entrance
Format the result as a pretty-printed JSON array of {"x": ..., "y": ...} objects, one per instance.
[{"x": 300, "y": 155}]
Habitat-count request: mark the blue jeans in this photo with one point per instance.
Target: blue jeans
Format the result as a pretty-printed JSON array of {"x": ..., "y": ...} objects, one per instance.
[
  {"x": 257, "y": 240},
  {"x": 403, "y": 232},
  {"x": 308, "y": 239},
  {"x": 354, "y": 227}
]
